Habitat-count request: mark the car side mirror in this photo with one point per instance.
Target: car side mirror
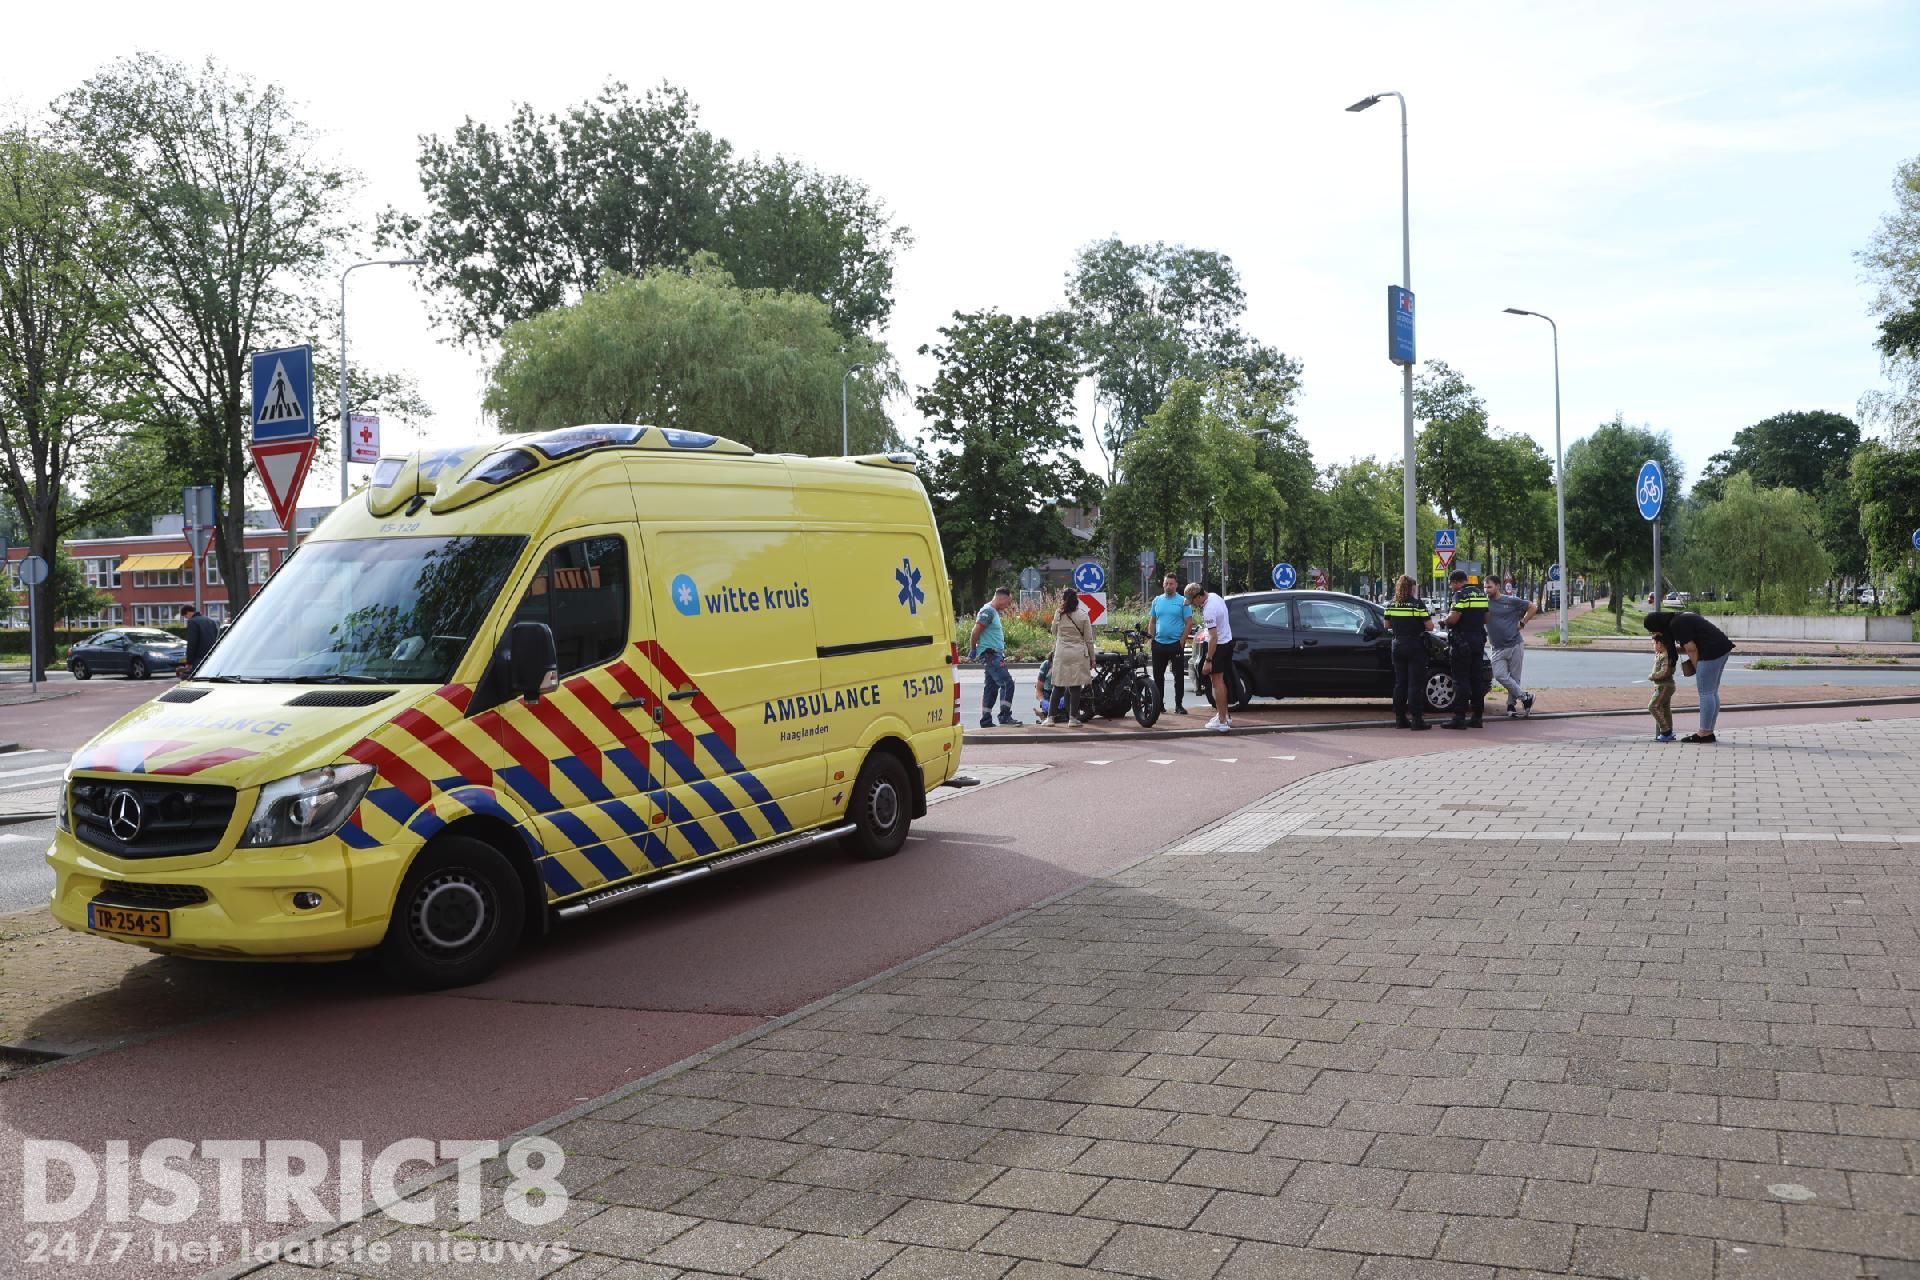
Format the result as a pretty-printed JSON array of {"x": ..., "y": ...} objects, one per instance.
[
  {"x": 1371, "y": 632},
  {"x": 533, "y": 661}
]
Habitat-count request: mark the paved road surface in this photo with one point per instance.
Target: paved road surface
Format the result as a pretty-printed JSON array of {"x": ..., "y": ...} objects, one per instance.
[{"x": 333, "y": 1054}]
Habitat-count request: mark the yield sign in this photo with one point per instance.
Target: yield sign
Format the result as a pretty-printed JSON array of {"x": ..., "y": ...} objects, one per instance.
[
  {"x": 283, "y": 469},
  {"x": 1444, "y": 555}
]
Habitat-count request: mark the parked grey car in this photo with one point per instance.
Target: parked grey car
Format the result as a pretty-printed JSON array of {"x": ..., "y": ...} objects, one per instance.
[{"x": 133, "y": 652}]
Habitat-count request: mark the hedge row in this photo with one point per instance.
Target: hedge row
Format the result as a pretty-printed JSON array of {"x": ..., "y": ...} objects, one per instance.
[{"x": 13, "y": 640}]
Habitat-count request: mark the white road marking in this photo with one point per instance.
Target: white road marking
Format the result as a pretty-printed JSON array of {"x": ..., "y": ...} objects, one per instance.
[
  {"x": 39, "y": 768},
  {"x": 1280, "y": 757},
  {"x": 1228, "y": 759},
  {"x": 31, "y": 751},
  {"x": 1159, "y": 762}
]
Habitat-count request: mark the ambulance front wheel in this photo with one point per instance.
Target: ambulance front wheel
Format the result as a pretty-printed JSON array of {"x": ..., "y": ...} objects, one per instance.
[
  {"x": 457, "y": 917},
  {"x": 881, "y": 807}
]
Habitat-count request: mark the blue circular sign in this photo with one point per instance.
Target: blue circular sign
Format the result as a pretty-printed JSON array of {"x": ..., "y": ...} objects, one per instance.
[
  {"x": 1284, "y": 577},
  {"x": 1650, "y": 491},
  {"x": 1553, "y": 573},
  {"x": 1088, "y": 576},
  {"x": 1916, "y": 539}
]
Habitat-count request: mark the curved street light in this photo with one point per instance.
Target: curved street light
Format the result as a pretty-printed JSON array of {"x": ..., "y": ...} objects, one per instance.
[
  {"x": 1559, "y": 469},
  {"x": 1409, "y": 498}
]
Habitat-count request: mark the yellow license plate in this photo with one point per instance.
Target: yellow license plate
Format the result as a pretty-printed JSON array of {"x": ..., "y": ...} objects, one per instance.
[{"x": 138, "y": 924}]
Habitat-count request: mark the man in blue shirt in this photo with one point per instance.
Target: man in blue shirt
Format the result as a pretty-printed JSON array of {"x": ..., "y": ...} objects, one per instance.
[
  {"x": 989, "y": 645},
  {"x": 1172, "y": 628}
]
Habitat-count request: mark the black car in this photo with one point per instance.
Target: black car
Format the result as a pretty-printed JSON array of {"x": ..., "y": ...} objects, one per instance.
[
  {"x": 1319, "y": 644},
  {"x": 134, "y": 652}
]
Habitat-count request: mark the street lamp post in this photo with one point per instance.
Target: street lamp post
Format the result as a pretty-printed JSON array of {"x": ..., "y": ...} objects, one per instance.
[
  {"x": 1409, "y": 498},
  {"x": 1559, "y": 469},
  {"x": 346, "y": 435},
  {"x": 851, "y": 370}
]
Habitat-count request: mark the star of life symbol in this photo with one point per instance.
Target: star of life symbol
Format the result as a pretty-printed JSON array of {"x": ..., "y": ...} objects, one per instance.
[
  {"x": 910, "y": 593},
  {"x": 686, "y": 593}
]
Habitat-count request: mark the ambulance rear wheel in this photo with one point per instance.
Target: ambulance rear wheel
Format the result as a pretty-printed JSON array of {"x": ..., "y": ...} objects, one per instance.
[
  {"x": 457, "y": 917},
  {"x": 880, "y": 808}
]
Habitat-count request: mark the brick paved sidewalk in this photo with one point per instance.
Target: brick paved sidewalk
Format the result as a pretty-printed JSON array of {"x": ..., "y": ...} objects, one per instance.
[{"x": 1385, "y": 1058}]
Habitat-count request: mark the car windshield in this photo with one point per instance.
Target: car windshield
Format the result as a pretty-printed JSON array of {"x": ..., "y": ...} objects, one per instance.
[
  {"x": 152, "y": 637},
  {"x": 373, "y": 610}
]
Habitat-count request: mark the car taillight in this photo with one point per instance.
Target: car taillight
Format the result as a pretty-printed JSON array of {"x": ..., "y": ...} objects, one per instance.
[{"x": 954, "y": 660}]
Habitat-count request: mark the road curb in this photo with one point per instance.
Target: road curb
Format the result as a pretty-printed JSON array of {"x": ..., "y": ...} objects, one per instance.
[{"x": 977, "y": 737}]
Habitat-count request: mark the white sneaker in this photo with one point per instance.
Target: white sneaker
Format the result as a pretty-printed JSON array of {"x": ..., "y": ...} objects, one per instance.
[
  {"x": 1212, "y": 724},
  {"x": 1223, "y": 727}
]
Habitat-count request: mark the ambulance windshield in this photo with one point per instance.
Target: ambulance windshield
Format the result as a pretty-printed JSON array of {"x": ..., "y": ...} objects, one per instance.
[{"x": 367, "y": 611}]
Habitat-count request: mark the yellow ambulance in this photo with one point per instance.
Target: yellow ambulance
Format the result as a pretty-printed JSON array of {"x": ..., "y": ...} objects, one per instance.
[{"x": 513, "y": 683}]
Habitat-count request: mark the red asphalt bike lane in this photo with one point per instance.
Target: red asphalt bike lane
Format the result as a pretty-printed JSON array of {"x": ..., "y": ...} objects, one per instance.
[{"x": 616, "y": 996}]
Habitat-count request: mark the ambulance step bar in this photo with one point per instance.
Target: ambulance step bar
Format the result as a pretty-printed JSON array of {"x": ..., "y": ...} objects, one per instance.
[{"x": 700, "y": 871}]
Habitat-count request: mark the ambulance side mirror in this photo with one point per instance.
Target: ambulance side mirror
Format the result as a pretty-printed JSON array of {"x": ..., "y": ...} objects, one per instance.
[{"x": 533, "y": 663}]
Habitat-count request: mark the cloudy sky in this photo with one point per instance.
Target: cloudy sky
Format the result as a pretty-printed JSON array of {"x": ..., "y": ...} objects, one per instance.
[{"x": 1681, "y": 186}]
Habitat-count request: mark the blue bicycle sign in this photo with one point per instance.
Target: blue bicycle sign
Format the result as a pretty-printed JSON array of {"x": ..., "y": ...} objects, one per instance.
[{"x": 1651, "y": 490}]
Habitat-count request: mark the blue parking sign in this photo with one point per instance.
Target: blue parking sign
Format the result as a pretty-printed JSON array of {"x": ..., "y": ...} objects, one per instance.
[{"x": 283, "y": 394}]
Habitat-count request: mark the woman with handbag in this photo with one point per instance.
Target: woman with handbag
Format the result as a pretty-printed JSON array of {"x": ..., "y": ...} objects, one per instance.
[
  {"x": 1072, "y": 658},
  {"x": 1705, "y": 648}
]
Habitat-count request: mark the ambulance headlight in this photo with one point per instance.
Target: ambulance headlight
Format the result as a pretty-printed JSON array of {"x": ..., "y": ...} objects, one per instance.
[{"x": 307, "y": 806}]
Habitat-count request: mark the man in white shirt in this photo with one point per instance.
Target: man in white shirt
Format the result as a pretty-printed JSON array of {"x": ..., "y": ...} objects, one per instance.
[{"x": 1214, "y": 620}]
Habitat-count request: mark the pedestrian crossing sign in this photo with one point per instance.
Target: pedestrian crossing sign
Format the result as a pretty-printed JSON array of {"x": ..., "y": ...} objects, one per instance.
[
  {"x": 283, "y": 394},
  {"x": 1443, "y": 540}
]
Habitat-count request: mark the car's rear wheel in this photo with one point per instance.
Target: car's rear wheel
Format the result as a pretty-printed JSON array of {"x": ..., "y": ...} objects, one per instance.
[
  {"x": 81, "y": 671},
  {"x": 137, "y": 669},
  {"x": 1439, "y": 691},
  {"x": 880, "y": 808},
  {"x": 458, "y": 915}
]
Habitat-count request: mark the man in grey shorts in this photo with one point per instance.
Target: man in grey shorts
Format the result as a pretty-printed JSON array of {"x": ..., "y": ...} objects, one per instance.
[{"x": 1506, "y": 614}]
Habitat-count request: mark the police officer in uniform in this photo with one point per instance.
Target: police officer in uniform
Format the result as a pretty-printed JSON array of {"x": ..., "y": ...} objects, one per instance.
[
  {"x": 1410, "y": 621},
  {"x": 1466, "y": 646}
]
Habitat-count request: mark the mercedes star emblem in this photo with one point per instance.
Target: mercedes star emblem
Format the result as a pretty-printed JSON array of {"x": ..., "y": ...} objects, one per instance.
[{"x": 124, "y": 816}]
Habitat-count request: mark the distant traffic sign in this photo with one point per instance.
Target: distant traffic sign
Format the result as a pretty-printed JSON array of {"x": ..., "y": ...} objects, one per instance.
[
  {"x": 196, "y": 510},
  {"x": 33, "y": 571},
  {"x": 1284, "y": 576},
  {"x": 283, "y": 394},
  {"x": 1089, "y": 576},
  {"x": 1444, "y": 539},
  {"x": 1650, "y": 491},
  {"x": 1029, "y": 579},
  {"x": 1916, "y": 539},
  {"x": 1320, "y": 579},
  {"x": 1445, "y": 556},
  {"x": 1553, "y": 573},
  {"x": 1096, "y": 605}
]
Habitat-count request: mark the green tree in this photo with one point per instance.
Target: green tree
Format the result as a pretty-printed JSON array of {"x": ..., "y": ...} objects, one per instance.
[
  {"x": 1885, "y": 485},
  {"x": 1451, "y": 448},
  {"x": 67, "y": 591},
  {"x": 68, "y": 394},
  {"x": 1001, "y": 436},
  {"x": 1192, "y": 463},
  {"x": 1800, "y": 450},
  {"x": 1147, "y": 314},
  {"x": 527, "y": 217},
  {"x": 1763, "y": 542},
  {"x": 689, "y": 349},
  {"x": 231, "y": 219},
  {"x": 1892, "y": 262},
  {"x": 1603, "y": 522}
]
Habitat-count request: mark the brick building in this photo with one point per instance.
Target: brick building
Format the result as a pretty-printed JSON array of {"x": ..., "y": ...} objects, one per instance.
[{"x": 151, "y": 576}]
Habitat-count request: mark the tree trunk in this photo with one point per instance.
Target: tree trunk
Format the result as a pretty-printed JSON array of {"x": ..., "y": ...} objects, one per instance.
[{"x": 43, "y": 540}]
